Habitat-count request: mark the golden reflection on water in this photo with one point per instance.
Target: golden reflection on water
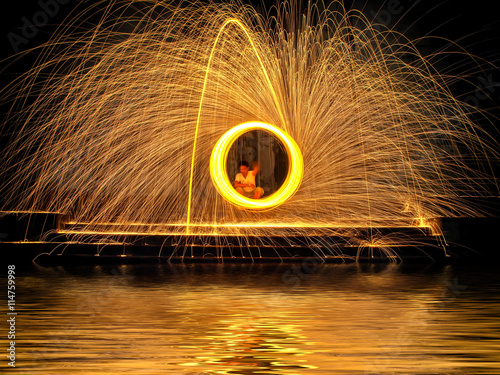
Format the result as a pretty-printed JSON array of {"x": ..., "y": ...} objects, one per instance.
[
  {"x": 240, "y": 344},
  {"x": 231, "y": 319}
]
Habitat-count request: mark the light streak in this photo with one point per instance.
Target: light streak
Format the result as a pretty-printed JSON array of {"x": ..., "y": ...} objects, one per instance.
[
  {"x": 198, "y": 119},
  {"x": 116, "y": 127},
  {"x": 218, "y": 168}
]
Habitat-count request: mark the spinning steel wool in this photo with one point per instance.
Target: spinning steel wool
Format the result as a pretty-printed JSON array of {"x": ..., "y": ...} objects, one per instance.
[{"x": 117, "y": 124}]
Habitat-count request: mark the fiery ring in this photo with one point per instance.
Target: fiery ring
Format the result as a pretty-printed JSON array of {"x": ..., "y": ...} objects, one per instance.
[{"x": 218, "y": 161}]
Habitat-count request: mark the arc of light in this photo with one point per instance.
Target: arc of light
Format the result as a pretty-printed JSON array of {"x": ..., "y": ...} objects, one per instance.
[
  {"x": 210, "y": 58},
  {"x": 223, "y": 185}
]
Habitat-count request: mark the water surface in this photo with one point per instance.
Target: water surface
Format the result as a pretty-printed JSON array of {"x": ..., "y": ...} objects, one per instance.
[{"x": 258, "y": 319}]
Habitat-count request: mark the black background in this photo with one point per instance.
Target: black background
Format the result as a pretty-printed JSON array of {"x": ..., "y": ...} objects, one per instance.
[{"x": 475, "y": 26}]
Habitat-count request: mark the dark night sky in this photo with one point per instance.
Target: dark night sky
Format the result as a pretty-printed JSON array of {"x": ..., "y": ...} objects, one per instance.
[
  {"x": 474, "y": 25},
  {"x": 476, "y": 21}
]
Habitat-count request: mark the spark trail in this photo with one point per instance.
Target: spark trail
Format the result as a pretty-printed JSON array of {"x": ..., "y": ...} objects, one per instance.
[{"x": 115, "y": 124}]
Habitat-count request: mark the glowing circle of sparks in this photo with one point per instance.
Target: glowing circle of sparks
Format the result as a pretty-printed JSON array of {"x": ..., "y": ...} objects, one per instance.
[{"x": 218, "y": 162}]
